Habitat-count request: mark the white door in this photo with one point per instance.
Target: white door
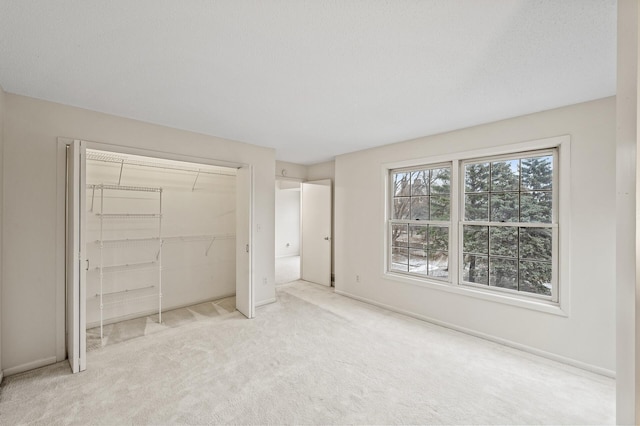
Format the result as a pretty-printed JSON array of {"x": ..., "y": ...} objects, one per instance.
[
  {"x": 316, "y": 231},
  {"x": 76, "y": 272},
  {"x": 244, "y": 288}
]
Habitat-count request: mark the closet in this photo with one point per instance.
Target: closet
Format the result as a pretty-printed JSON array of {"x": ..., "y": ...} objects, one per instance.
[{"x": 160, "y": 235}]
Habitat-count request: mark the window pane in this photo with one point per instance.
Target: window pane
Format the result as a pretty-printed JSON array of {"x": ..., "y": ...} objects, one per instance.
[
  {"x": 419, "y": 208},
  {"x": 418, "y": 236},
  {"x": 399, "y": 235},
  {"x": 535, "y": 206},
  {"x": 401, "y": 184},
  {"x": 537, "y": 173},
  {"x": 401, "y": 208},
  {"x": 440, "y": 207},
  {"x": 476, "y": 177},
  {"x": 503, "y": 241},
  {"x": 535, "y": 277},
  {"x": 476, "y": 239},
  {"x": 535, "y": 243},
  {"x": 505, "y": 175},
  {"x": 475, "y": 269},
  {"x": 476, "y": 207},
  {"x": 504, "y": 207},
  {"x": 438, "y": 264},
  {"x": 420, "y": 182},
  {"x": 503, "y": 273},
  {"x": 418, "y": 261},
  {"x": 399, "y": 259},
  {"x": 439, "y": 238},
  {"x": 440, "y": 181}
]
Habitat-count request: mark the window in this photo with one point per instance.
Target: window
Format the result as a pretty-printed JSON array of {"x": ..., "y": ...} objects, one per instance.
[
  {"x": 420, "y": 221},
  {"x": 506, "y": 216},
  {"x": 507, "y": 223}
]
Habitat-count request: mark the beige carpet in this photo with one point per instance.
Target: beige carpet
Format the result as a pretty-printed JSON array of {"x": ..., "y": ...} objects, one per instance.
[
  {"x": 313, "y": 357},
  {"x": 131, "y": 329}
]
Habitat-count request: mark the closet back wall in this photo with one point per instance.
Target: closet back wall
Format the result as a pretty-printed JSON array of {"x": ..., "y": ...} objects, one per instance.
[{"x": 198, "y": 230}]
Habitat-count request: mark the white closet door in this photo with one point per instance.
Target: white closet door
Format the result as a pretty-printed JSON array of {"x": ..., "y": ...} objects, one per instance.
[
  {"x": 76, "y": 268},
  {"x": 316, "y": 231},
  {"x": 244, "y": 288}
]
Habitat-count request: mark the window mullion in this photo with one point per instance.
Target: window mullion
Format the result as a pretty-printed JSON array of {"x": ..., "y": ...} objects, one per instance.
[{"x": 454, "y": 240}]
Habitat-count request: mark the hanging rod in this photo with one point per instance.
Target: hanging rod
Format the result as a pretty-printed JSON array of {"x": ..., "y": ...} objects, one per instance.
[
  {"x": 122, "y": 160},
  {"x": 127, "y": 266},
  {"x": 129, "y": 215},
  {"x": 129, "y": 241},
  {"x": 195, "y": 238},
  {"x": 125, "y": 188}
]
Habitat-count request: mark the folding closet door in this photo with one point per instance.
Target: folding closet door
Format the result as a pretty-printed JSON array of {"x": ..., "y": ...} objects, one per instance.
[
  {"x": 244, "y": 190},
  {"x": 75, "y": 271}
]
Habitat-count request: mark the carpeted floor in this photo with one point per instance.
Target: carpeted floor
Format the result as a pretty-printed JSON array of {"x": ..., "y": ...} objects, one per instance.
[
  {"x": 313, "y": 357},
  {"x": 138, "y": 327}
]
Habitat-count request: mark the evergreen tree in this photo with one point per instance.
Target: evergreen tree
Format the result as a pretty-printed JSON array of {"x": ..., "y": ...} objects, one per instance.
[{"x": 509, "y": 191}]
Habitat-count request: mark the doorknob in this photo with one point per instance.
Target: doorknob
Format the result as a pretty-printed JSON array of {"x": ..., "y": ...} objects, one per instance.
[{"x": 326, "y": 238}]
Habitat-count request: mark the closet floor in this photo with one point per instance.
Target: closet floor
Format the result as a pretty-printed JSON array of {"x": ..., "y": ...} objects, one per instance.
[{"x": 138, "y": 327}]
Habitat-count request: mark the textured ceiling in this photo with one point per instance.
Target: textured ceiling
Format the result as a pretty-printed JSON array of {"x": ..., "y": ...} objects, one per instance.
[{"x": 311, "y": 79}]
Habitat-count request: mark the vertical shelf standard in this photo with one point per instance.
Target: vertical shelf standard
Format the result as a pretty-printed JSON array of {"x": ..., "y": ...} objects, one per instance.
[{"x": 124, "y": 267}]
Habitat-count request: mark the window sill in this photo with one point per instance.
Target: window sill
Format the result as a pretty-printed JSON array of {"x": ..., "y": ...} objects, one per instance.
[{"x": 477, "y": 293}]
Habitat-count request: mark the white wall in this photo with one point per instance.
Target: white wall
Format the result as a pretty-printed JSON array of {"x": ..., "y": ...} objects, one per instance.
[
  {"x": 321, "y": 171},
  {"x": 193, "y": 269},
  {"x": 291, "y": 171},
  {"x": 32, "y": 315},
  {"x": 287, "y": 221},
  {"x": 587, "y": 336}
]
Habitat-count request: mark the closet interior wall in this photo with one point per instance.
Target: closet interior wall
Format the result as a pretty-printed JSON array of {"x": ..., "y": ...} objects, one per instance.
[{"x": 159, "y": 234}]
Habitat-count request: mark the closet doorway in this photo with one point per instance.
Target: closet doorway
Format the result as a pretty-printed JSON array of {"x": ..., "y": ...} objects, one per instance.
[{"x": 152, "y": 243}]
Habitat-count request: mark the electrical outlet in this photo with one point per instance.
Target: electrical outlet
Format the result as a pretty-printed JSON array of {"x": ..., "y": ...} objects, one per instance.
[
  {"x": 357, "y": 278},
  {"x": 264, "y": 281}
]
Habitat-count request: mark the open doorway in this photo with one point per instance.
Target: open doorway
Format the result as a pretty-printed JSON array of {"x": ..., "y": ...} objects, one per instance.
[
  {"x": 152, "y": 243},
  {"x": 287, "y": 231}
]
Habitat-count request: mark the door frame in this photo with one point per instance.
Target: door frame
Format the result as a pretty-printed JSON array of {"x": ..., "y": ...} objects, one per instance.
[{"x": 61, "y": 204}]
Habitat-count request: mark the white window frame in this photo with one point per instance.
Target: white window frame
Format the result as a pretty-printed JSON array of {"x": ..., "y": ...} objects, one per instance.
[
  {"x": 391, "y": 221},
  {"x": 553, "y": 225},
  {"x": 559, "y": 303}
]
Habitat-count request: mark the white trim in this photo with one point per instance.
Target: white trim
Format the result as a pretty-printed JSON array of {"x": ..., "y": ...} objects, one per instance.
[
  {"x": 266, "y": 301},
  {"x": 29, "y": 366},
  {"x": 558, "y": 358},
  {"x": 61, "y": 352},
  {"x": 561, "y": 193}
]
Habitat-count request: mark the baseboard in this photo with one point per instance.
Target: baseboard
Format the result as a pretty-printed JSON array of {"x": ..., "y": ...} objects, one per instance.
[
  {"x": 505, "y": 342},
  {"x": 29, "y": 366},
  {"x": 265, "y": 302}
]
